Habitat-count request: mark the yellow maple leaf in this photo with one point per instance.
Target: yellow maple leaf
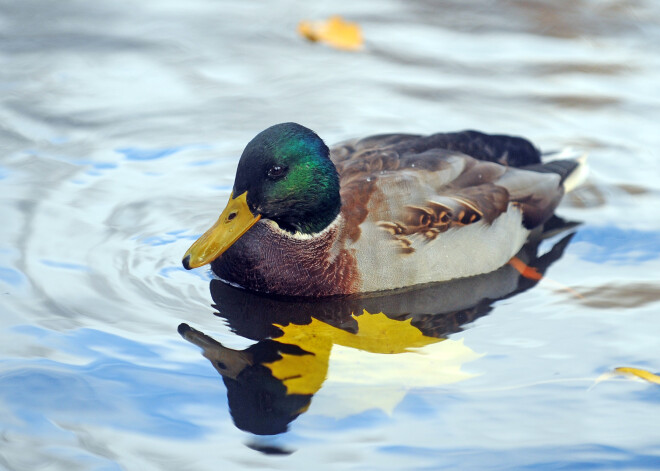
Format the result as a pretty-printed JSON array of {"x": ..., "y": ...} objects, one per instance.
[
  {"x": 334, "y": 31},
  {"x": 634, "y": 373},
  {"x": 639, "y": 373},
  {"x": 377, "y": 333}
]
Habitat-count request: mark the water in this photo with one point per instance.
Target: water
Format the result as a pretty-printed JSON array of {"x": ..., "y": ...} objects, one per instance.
[{"x": 121, "y": 125}]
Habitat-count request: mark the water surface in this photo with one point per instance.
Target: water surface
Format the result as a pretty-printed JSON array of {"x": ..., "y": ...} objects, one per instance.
[{"x": 121, "y": 126}]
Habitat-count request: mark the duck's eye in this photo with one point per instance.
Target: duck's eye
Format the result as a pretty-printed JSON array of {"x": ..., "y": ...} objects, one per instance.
[{"x": 276, "y": 171}]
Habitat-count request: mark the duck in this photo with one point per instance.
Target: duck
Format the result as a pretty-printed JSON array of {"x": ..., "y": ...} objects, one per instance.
[{"x": 378, "y": 213}]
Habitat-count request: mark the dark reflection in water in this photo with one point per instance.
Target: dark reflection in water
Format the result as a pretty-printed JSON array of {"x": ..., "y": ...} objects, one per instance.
[{"x": 273, "y": 381}]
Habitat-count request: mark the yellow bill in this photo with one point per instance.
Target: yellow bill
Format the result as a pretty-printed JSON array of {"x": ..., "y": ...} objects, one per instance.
[{"x": 234, "y": 221}]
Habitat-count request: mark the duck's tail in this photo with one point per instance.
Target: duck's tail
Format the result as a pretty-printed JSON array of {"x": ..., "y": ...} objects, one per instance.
[
  {"x": 570, "y": 166},
  {"x": 578, "y": 176}
]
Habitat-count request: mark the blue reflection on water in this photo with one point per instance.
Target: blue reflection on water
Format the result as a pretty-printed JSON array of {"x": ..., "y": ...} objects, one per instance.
[
  {"x": 201, "y": 163},
  {"x": 361, "y": 420},
  {"x": 108, "y": 390},
  {"x": 612, "y": 244},
  {"x": 135, "y": 153},
  {"x": 84, "y": 341},
  {"x": 64, "y": 265},
  {"x": 532, "y": 458},
  {"x": 202, "y": 274},
  {"x": 96, "y": 168},
  {"x": 651, "y": 394},
  {"x": 416, "y": 405},
  {"x": 94, "y": 164},
  {"x": 155, "y": 241},
  {"x": 168, "y": 238},
  {"x": 11, "y": 276}
]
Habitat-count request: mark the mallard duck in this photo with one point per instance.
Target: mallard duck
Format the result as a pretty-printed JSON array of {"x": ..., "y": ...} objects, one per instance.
[{"x": 378, "y": 213}]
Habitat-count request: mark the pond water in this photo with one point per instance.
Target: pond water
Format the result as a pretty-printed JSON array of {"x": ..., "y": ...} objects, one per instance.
[{"x": 121, "y": 126}]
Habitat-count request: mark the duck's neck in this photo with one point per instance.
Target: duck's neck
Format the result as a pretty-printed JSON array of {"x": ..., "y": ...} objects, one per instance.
[{"x": 311, "y": 222}]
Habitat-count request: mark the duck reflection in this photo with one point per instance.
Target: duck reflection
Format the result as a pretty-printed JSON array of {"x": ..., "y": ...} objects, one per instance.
[{"x": 273, "y": 381}]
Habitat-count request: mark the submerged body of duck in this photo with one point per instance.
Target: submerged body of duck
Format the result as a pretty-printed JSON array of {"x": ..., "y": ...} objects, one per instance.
[{"x": 377, "y": 213}]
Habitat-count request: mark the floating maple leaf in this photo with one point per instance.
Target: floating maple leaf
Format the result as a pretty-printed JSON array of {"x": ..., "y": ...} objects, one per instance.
[
  {"x": 334, "y": 31},
  {"x": 634, "y": 373}
]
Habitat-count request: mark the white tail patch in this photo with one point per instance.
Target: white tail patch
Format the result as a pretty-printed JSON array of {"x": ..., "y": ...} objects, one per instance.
[{"x": 577, "y": 176}]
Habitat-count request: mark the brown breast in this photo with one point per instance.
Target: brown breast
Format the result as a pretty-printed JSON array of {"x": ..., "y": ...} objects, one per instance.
[{"x": 264, "y": 260}]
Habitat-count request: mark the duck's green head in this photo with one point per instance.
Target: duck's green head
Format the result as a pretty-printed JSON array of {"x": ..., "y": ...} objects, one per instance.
[
  {"x": 285, "y": 174},
  {"x": 289, "y": 178}
]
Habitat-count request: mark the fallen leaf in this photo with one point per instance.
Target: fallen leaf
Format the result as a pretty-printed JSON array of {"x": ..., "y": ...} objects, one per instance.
[
  {"x": 639, "y": 373},
  {"x": 334, "y": 31}
]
